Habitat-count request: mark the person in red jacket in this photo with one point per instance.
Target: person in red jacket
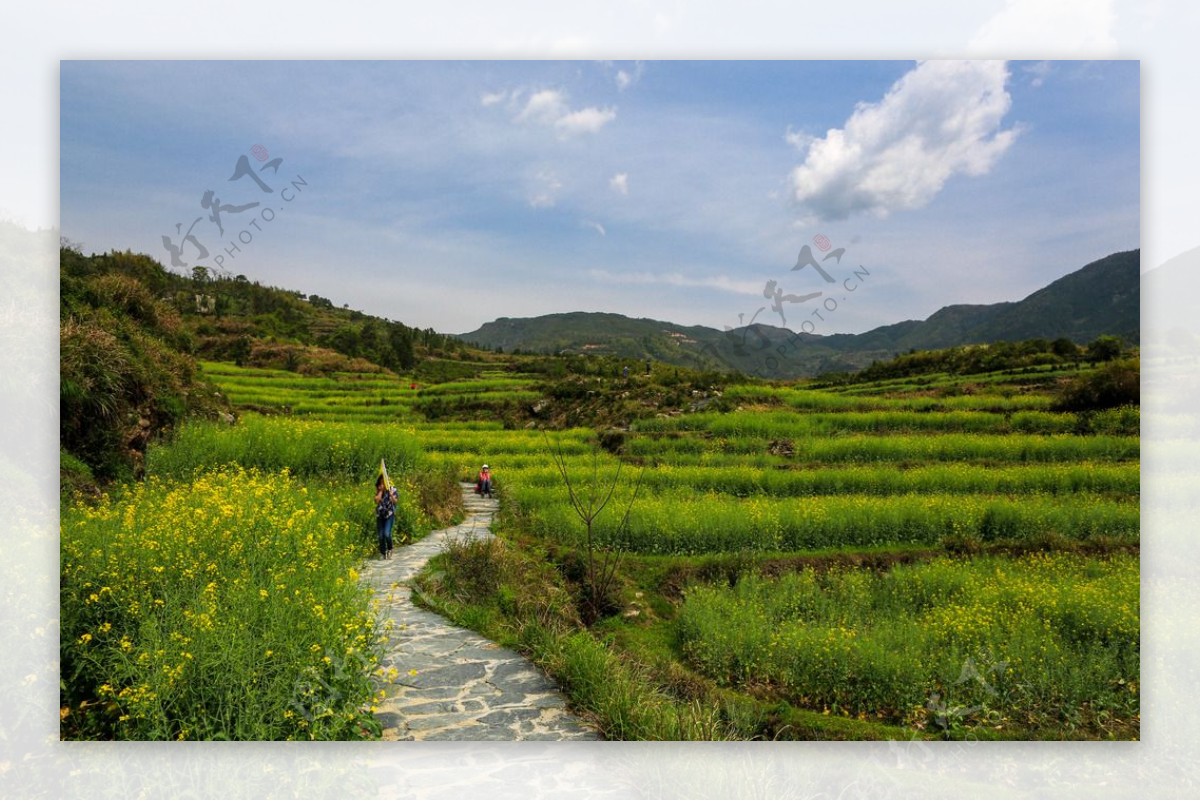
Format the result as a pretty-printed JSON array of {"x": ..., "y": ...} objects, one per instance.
[{"x": 483, "y": 484}]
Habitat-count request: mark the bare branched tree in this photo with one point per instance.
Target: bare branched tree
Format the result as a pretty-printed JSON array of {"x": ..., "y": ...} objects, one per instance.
[{"x": 588, "y": 503}]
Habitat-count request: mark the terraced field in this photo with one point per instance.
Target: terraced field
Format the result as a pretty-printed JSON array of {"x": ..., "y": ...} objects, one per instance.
[
  {"x": 934, "y": 557},
  {"x": 362, "y": 397},
  {"x": 1021, "y": 526},
  {"x": 372, "y": 397}
]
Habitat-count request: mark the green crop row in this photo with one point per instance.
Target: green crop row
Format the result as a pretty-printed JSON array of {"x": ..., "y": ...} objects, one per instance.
[
  {"x": 796, "y": 424},
  {"x": 572, "y": 441},
  {"x": 984, "y": 448},
  {"x": 1016, "y": 646},
  {"x": 822, "y": 400},
  {"x": 231, "y": 375},
  {"x": 475, "y": 387},
  {"x": 305, "y": 447},
  {"x": 713, "y": 523},
  {"x": 1120, "y": 479},
  {"x": 1020, "y": 378}
]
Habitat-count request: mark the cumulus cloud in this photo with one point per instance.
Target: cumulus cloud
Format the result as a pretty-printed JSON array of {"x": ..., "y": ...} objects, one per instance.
[
  {"x": 549, "y": 107},
  {"x": 620, "y": 183},
  {"x": 941, "y": 119}
]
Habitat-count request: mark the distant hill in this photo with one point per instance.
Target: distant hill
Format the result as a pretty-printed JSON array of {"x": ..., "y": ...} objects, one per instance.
[
  {"x": 1101, "y": 298},
  {"x": 595, "y": 332}
]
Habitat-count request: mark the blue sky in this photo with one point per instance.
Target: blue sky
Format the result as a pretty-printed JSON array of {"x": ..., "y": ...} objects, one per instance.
[{"x": 446, "y": 194}]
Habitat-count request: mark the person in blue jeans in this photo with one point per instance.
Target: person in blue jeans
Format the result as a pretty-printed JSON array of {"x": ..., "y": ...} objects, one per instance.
[
  {"x": 385, "y": 516},
  {"x": 483, "y": 484}
]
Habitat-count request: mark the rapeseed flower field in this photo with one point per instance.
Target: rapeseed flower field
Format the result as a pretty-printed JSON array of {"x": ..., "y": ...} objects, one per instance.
[{"x": 225, "y": 606}]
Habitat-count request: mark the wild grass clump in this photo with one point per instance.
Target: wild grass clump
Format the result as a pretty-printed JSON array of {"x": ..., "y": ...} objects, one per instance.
[
  {"x": 115, "y": 377},
  {"x": 221, "y": 607},
  {"x": 492, "y": 582}
]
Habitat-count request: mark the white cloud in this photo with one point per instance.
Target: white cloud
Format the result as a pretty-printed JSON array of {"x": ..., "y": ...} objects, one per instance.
[
  {"x": 549, "y": 107},
  {"x": 544, "y": 107},
  {"x": 721, "y": 282},
  {"x": 597, "y": 227},
  {"x": 798, "y": 139},
  {"x": 941, "y": 119},
  {"x": 492, "y": 98},
  {"x": 586, "y": 120},
  {"x": 620, "y": 183}
]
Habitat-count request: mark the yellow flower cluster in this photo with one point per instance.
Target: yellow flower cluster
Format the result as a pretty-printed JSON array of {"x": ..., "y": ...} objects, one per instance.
[{"x": 185, "y": 594}]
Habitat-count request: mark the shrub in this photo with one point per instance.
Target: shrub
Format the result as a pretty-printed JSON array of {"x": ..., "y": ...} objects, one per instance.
[{"x": 1115, "y": 384}]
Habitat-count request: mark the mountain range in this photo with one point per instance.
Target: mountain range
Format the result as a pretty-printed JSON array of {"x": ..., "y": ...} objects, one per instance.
[{"x": 1103, "y": 297}]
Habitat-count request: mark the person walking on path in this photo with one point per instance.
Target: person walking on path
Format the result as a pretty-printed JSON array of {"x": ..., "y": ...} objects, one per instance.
[
  {"x": 385, "y": 515},
  {"x": 483, "y": 485}
]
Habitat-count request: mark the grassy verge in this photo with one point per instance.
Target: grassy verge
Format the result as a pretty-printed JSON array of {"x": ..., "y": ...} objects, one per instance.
[
  {"x": 513, "y": 598},
  {"x": 623, "y": 678}
]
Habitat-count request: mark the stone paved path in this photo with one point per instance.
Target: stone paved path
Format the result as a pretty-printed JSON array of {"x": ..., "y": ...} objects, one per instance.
[{"x": 465, "y": 687}]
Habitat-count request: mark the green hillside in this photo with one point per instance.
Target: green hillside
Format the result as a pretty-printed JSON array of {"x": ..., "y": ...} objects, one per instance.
[
  {"x": 1102, "y": 298},
  {"x": 132, "y": 334}
]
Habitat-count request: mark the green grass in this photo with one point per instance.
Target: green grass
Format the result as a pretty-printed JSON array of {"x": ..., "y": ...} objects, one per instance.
[
  {"x": 736, "y": 477},
  {"x": 1020, "y": 646},
  {"x": 518, "y": 600},
  {"x": 796, "y": 424},
  {"x": 824, "y": 400},
  {"x": 350, "y": 451},
  {"x": 905, "y": 449},
  {"x": 714, "y": 523},
  {"x": 894, "y": 470},
  {"x": 365, "y": 397}
]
